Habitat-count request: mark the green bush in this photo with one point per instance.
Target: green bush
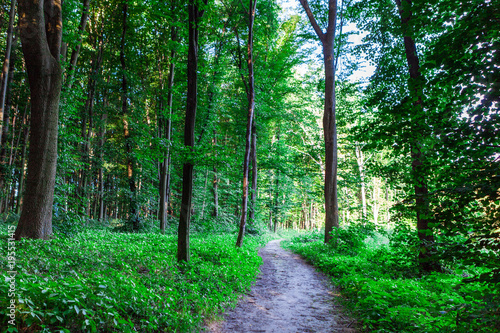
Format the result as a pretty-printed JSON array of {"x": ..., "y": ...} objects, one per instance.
[
  {"x": 99, "y": 281},
  {"x": 381, "y": 286}
]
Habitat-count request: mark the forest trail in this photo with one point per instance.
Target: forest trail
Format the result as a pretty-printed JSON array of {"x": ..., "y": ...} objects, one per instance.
[{"x": 289, "y": 296}]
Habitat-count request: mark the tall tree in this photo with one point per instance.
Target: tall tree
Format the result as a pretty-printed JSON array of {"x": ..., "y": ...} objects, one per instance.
[
  {"x": 195, "y": 15},
  {"x": 250, "y": 118},
  {"x": 133, "y": 210},
  {"x": 416, "y": 85},
  {"x": 4, "y": 78},
  {"x": 40, "y": 26},
  {"x": 329, "y": 122}
]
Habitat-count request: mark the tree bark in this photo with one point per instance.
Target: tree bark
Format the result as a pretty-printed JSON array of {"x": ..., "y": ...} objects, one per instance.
[
  {"x": 329, "y": 122},
  {"x": 41, "y": 46},
  {"x": 251, "y": 109},
  {"x": 192, "y": 102}
]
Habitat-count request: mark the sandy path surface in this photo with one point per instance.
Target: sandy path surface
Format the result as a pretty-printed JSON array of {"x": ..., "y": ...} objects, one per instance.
[{"x": 289, "y": 296}]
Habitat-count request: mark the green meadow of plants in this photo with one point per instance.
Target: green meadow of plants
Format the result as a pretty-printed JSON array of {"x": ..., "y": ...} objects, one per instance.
[
  {"x": 105, "y": 281},
  {"x": 386, "y": 293}
]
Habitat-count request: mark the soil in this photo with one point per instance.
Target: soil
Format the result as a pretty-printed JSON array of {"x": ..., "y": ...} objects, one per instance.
[{"x": 289, "y": 296}]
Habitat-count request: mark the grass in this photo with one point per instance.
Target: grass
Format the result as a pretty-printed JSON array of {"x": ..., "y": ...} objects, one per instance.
[
  {"x": 102, "y": 281},
  {"x": 386, "y": 294}
]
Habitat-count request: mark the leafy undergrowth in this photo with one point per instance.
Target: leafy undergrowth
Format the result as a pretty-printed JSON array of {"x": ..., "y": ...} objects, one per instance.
[
  {"x": 387, "y": 295},
  {"x": 100, "y": 281}
]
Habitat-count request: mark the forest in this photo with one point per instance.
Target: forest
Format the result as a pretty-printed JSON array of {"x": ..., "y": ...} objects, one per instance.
[{"x": 149, "y": 149}]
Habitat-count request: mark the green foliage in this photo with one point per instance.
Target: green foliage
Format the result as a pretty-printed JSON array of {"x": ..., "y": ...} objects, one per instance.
[
  {"x": 388, "y": 296},
  {"x": 101, "y": 281},
  {"x": 348, "y": 240}
]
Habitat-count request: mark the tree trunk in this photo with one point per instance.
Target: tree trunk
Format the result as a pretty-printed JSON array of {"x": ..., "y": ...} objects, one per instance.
[
  {"x": 192, "y": 103},
  {"x": 41, "y": 53},
  {"x": 22, "y": 172},
  {"x": 215, "y": 212},
  {"x": 361, "y": 167},
  {"x": 102, "y": 134},
  {"x": 426, "y": 263},
  {"x": 329, "y": 122},
  {"x": 202, "y": 213},
  {"x": 4, "y": 79},
  {"x": 253, "y": 154},
  {"x": 165, "y": 165},
  {"x": 251, "y": 109},
  {"x": 133, "y": 211}
]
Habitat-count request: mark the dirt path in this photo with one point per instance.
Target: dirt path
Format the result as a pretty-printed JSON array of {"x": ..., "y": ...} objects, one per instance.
[{"x": 289, "y": 296}]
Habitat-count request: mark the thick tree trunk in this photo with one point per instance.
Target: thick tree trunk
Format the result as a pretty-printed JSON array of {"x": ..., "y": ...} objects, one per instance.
[
  {"x": 330, "y": 133},
  {"x": 41, "y": 52},
  {"x": 251, "y": 109},
  {"x": 329, "y": 121},
  {"x": 192, "y": 103}
]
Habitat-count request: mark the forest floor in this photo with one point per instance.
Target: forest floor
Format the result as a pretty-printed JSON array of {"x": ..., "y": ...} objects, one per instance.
[{"x": 289, "y": 296}]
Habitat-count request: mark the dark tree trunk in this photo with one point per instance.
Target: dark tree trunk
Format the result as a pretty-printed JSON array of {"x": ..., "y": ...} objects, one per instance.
[
  {"x": 133, "y": 211},
  {"x": 329, "y": 122},
  {"x": 192, "y": 102},
  {"x": 41, "y": 53},
  {"x": 418, "y": 169},
  {"x": 251, "y": 109},
  {"x": 253, "y": 155},
  {"x": 102, "y": 134}
]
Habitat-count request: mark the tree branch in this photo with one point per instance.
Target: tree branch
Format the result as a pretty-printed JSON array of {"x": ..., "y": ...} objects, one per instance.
[{"x": 310, "y": 15}]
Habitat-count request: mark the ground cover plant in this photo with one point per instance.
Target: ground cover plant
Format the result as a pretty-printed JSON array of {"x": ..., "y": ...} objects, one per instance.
[
  {"x": 386, "y": 292},
  {"x": 104, "y": 281}
]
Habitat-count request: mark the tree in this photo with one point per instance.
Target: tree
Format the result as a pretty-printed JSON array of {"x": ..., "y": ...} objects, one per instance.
[
  {"x": 329, "y": 122},
  {"x": 4, "y": 78},
  {"x": 195, "y": 15},
  {"x": 41, "y": 31},
  {"x": 250, "y": 118}
]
